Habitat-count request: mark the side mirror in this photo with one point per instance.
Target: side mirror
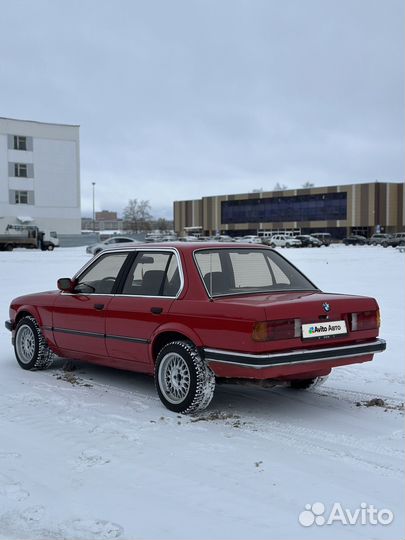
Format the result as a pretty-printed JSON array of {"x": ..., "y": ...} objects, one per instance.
[{"x": 66, "y": 284}]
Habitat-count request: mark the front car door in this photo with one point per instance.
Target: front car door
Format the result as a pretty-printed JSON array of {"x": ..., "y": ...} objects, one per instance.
[
  {"x": 79, "y": 317},
  {"x": 153, "y": 282}
]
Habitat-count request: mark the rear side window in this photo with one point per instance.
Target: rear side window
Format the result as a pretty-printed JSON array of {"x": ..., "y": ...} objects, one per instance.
[{"x": 153, "y": 274}]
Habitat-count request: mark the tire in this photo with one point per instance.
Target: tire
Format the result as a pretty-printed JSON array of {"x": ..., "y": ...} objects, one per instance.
[
  {"x": 195, "y": 386},
  {"x": 288, "y": 245},
  {"x": 306, "y": 384},
  {"x": 9, "y": 247},
  {"x": 385, "y": 244},
  {"x": 30, "y": 347},
  {"x": 273, "y": 245},
  {"x": 50, "y": 247},
  {"x": 374, "y": 243},
  {"x": 97, "y": 251}
]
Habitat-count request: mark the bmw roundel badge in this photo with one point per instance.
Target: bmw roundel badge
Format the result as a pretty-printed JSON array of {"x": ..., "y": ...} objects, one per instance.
[{"x": 326, "y": 307}]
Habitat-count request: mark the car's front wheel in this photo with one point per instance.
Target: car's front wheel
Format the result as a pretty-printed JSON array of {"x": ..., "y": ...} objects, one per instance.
[
  {"x": 30, "y": 346},
  {"x": 184, "y": 382}
]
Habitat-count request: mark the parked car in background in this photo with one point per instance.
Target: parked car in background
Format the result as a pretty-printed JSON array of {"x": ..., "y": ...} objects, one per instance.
[
  {"x": 223, "y": 238},
  {"x": 397, "y": 239},
  {"x": 251, "y": 239},
  {"x": 284, "y": 240},
  {"x": 187, "y": 239},
  {"x": 169, "y": 238},
  {"x": 378, "y": 239},
  {"x": 355, "y": 240},
  {"x": 149, "y": 309},
  {"x": 308, "y": 241},
  {"x": 100, "y": 246},
  {"x": 324, "y": 237}
]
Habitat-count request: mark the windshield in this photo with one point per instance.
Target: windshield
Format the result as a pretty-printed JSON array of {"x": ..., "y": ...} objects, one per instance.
[{"x": 243, "y": 271}]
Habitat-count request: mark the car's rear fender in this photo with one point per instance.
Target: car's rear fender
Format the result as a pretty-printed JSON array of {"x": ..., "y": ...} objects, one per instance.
[{"x": 172, "y": 332}]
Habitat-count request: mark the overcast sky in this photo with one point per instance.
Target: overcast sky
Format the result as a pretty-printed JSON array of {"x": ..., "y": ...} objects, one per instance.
[{"x": 177, "y": 99}]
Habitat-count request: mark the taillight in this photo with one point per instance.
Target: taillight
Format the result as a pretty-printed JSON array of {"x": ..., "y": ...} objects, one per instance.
[
  {"x": 364, "y": 320},
  {"x": 275, "y": 330}
]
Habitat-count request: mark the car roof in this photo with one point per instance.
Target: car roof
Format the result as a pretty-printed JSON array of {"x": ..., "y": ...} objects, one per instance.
[{"x": 186, "y": 246}]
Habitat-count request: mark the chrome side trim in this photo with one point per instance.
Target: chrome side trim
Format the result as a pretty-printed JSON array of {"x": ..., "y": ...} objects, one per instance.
[
  {"x": 263, "y": 361},
  {"x": 96, "y": 334}
]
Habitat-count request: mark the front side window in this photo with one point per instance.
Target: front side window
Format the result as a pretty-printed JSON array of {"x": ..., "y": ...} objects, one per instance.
[
  {"x": 100, "y": 278},
  {"x": 243, "y": 271},
  {"x": 20, "y": 170},
  {"x": 153, "y": 274}
]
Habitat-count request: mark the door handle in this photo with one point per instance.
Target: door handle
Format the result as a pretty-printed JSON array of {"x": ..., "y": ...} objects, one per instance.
[
  {"x": 99, "y": 307},
  {"x": 156, "y": 310}
]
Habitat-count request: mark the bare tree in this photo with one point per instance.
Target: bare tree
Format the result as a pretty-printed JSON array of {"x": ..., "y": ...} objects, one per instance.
[
  {"x": 308, "y": 185},
  {"x": 162, "y": 224},
  {"x": 280, "y": 187},
  {"x": 137, "y": 216}
]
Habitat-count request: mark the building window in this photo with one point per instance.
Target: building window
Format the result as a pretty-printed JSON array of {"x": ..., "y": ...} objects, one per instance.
[
  {"x": 20, "y": 142},
  {"x": 316, "y": 207},
  {"x": 20, "y": 170},
  {"x": 21, "y": 197}
]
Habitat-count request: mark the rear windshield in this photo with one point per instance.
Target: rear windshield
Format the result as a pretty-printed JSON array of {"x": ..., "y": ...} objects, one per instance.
[{"x": 242, "y": 271}]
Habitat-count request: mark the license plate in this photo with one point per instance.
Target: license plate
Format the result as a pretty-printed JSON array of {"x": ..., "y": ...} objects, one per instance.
[{"x": 324, "y": 329}]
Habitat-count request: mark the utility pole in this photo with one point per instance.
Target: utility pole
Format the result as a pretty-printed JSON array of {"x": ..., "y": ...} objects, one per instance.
[{"x": 94, "y": 207}]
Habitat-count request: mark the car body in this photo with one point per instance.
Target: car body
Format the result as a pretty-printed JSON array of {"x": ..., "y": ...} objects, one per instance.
[
  {"x": 192, "y": 314},
  {"x": 324, "y": 237},
  {"x": 284, "y": 240},
  {"x": 398, "y": 239},
  {"x": 355, "y": 240},
  {"x": 105, "y": 244},
  {"x": 308, "y": 241},
  {"x": 378, "y": 238}
]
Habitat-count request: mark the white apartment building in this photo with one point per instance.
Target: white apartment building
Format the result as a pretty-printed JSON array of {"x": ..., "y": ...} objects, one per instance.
[{"x": 40, "y": 175}]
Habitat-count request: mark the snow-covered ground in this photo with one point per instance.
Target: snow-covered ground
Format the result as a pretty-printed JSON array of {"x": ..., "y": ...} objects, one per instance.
[{"x": 93, "y": 454}]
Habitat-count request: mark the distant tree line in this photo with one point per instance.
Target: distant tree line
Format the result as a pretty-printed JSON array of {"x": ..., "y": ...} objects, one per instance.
[{"x": 137, "y": 217}]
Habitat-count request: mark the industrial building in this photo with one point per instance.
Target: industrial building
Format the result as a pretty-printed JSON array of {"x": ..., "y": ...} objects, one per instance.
[
  {"x": 40, "y": 175},
  {"x": 339, "y": 210}
]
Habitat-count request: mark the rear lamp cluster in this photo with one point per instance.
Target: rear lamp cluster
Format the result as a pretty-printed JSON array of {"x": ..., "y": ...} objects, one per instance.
[
  {"x": 291, "y": 328},
  {"x": 275, "y": 330},
  {"x": 364, "y": 320}
]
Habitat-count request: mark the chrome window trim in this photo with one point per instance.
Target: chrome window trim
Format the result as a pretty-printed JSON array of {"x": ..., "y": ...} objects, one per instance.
[{"x": 129, "y": 251}]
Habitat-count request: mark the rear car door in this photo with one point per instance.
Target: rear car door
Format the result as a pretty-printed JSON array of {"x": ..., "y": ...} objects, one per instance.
[
  {"x": 79, "y": 317},
  {"x": 153, "y": 282}
]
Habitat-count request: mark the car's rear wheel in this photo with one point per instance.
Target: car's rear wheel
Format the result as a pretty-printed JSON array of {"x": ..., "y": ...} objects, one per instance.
[
  {"x": 30, "y": 346},
  {"x": 184, "y": 382},
  {"x": 273, "y": 245},
  {"x": 306, "y": 384}
]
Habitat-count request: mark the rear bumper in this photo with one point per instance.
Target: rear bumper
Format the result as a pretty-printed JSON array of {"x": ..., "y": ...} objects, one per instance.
[{"x": 265, "y": 361}]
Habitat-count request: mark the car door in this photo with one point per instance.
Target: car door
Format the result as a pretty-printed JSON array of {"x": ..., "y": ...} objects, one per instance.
[
  {"x": 79, "y": 317},
  {"x": 153, "y": 281}
]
